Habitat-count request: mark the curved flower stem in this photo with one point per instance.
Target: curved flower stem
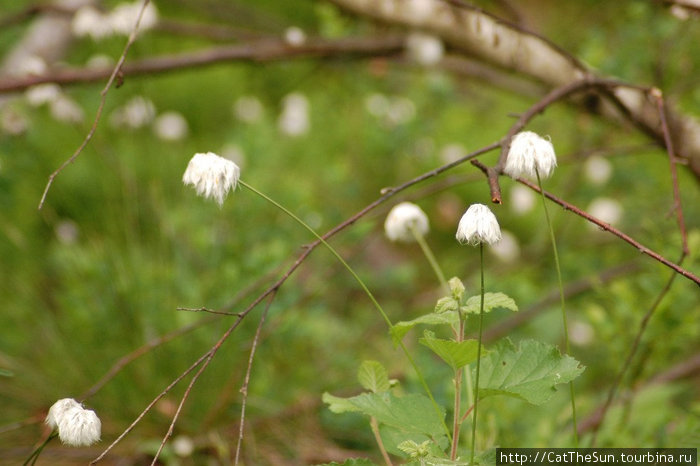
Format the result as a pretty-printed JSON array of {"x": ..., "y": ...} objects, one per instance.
[
  {"x": 364, "y": 287},
  {"x": 478, "y": 353},
  {"x": 37, "y": 452},
  {"x": 431, "y": 258},
  {"x": 563, "y": 302},
  {"x": 374, "y": 425}
]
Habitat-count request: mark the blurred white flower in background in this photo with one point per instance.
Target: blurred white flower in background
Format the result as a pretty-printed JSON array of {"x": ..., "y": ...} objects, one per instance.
[
  {"x": 12, "y": 122},
  {"x": 294, "y": 118},
  {"x": 605, "y": 209},
  {"x": 100, "y": 60},
  {"x": 377, "y": 104},
  {"x": 135, "y": 113},
  {"x": 507, "y": 249},
  {"x": 530, "y": 154},
  {"x": 31, "y": 65},
  {"x": 67, "y": 232},
  {"x": 391, "y": 111},
  {"x": 123, "y": 18},
  {"x": 248, "y": 109},
  {"x": 452, "y": 152},
  {"x": 581, "y": 333},
  {"x": 522, "y": 199},
  {"x": 598, "y": 169},
  {"x": 404, "y": 220},
  {"x": 183, "y": 446},
  {"x": 424, "y": 49},
  {"x": 89, "y": 21},
  {"x": 478, "y": 225},
  {"x": 234, "y": 153},
  {"x": 170, "y": 126},
  {"x": 42, "y": 94},
  {"x": 66, "y": 110},
  {"x": 294, "y": 36},
  {"x": 212, "y": 176}
]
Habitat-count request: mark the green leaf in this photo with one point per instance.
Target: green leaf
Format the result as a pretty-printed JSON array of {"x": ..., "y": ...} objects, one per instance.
[
  {"x": 373, "y": 376},
  {"x": 352, "y": 462},
  {"x": 400, "y": 329},
  {"x": 6, "y": 373},
  {"x": 339, "y": 405},
  {"x": 491, "y": 301},
  {"x": 457, "y": 288},
  {"x": 530, "y": 372},
  {"x": 446, "y": 304},
  {"x": 455, "y": 354}
]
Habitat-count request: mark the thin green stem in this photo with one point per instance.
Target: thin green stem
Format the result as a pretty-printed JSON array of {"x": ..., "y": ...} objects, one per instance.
[
  {"x": 431, "y": 258},
  {"x": 478, "y": 354},
  {"x": 364, "y": 287},
  {"x": 563, "y": 303},
  {"x": 456, "y": 421}
]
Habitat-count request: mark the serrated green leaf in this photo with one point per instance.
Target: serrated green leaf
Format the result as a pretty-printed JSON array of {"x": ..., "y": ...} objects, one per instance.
[
  {"x": 455, "y": 354},
  {"x": 446, "y": 304},
  {"x": 530, "y": 372},
  {"x": 491, "y": 301},
  {"x": 339, "y": 405},
  {"x": 373, "y": 376},
  {"x": 402, "y": 328}
]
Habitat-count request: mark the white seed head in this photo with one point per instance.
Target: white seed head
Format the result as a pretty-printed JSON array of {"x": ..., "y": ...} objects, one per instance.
[
  {"x": 170, "y": 126},
  {"x": 79, "y": 427},
  {"x": 212, "y": 176},
  {"x": 530, "y": 154},
  {"x": 478, "y": 225},
  {"x": 424, "y": 49},
  {"x": 404, "y": 219},
  {"x": 58, "y": 411}
]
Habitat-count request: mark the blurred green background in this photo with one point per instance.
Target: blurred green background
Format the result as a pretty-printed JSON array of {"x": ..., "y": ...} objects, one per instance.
[{"x": 121, "y": 244}]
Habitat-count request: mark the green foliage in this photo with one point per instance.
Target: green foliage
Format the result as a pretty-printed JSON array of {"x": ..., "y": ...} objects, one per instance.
[
  {"x": 373, "y": 377},
  {"x": 455, "y": 354}
]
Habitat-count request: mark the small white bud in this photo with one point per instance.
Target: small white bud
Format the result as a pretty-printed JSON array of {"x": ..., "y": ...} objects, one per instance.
[
  {"x": 403, "y": 220},
  {"x": 530, "y": 154},
  {"x": 478, "y": 225},
  {"x": 294, "y": 36},
  {"x": 212, "y": 176}
]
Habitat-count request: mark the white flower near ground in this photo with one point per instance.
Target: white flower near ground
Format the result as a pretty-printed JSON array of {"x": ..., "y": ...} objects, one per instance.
[
  {"x": 522, "y": 199},
  {"x": 170, "y": 126},
  {"x": 605, "y": 209},
  {"x": 123, "y": 18},
  {"x": 212, "y": 176},
  {"x": 403, "y": 220},
  {"x": 530, "y": 154},
  {"x": 424, "y": 49},
  {"x": 66, "y": 110},
  {"x": 478, "y": 225},
  {"x": 42, "y": 94},
  {"x": 76, "y": 425},
  {"x": 248, "y": 109},
  {"x": 294, "y": 118},
  {"x": 89, "y": 21},
  {"x": 294, "y": 36},
  {"x": 598, "y": 169},
  {"x": 507, "y": 249},
  {"x": 135, "y": 113}
]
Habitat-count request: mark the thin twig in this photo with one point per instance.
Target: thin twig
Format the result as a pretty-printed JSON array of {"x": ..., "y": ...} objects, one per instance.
[
  {"x": 207, "y": 310},
  {"x": 103, "y": 98},
  {"x": 246, "y": 380}
]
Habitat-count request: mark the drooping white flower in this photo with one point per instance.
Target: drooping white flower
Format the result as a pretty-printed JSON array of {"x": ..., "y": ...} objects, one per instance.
[
  {"x": 123, "y": 18},
  {"x": 89, "y": 21},
  {"x": 522, "y": 199},
  {"x": 605, "y": 209},
  {"x": 76, "y": 425},
  {"x": 170, "y": 126},
  {"x": 403, "y": 220},
  {"x": 424, "y": 49},
  {"x": 530, "y": 154},
  {"x": 598, "y": 169},
  {"x": 79, "y": 427},
  {"x": 507, "y": 249},
  {"x": 294, "y": 119},
  {"x": 478, "y": 225},
  {"x": 248, "y": 109},
  {"x": 212, "y": 176},
  {"x": 294, "y": 36}
]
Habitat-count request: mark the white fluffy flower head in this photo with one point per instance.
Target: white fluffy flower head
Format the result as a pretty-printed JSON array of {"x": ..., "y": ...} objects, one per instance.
[
  {"x": 478, "y": 225},
  {"x": 76, "y": 425},
  {"x": 404, "y": 219},
  {"x": 212, "y": 176},
  {"x": 530, "y": 154}
]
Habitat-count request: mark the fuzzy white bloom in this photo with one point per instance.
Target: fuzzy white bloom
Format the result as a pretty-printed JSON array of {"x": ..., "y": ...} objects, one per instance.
[
  {"x": 66, "y": 110},
  {"x": 403, "y": 220},
  {"x": 136, "y": 113},
  {"x": 507, "y": 249},
  {"x": 598, "y": 169},
  {"x": 605, "y": 209},
  {"x": 42, "y": 94},
  {"x": 170, "y": 126},
  {"x": 89, "y": 21},
  {"x": 478, "y": 225},
  {"x": 123, "y": 18},
  {"x": 424, "y": 49},
  {"x": 294, "y": 36},
  {"x": 212, "y": 176},
  {"x": 248, "y": 109},
  {"x": 294, "y": 119},
  {"x": 522, "y": 199},
  {"x": 76, "y": 425},
  {"x": 530, "y": 154}
]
